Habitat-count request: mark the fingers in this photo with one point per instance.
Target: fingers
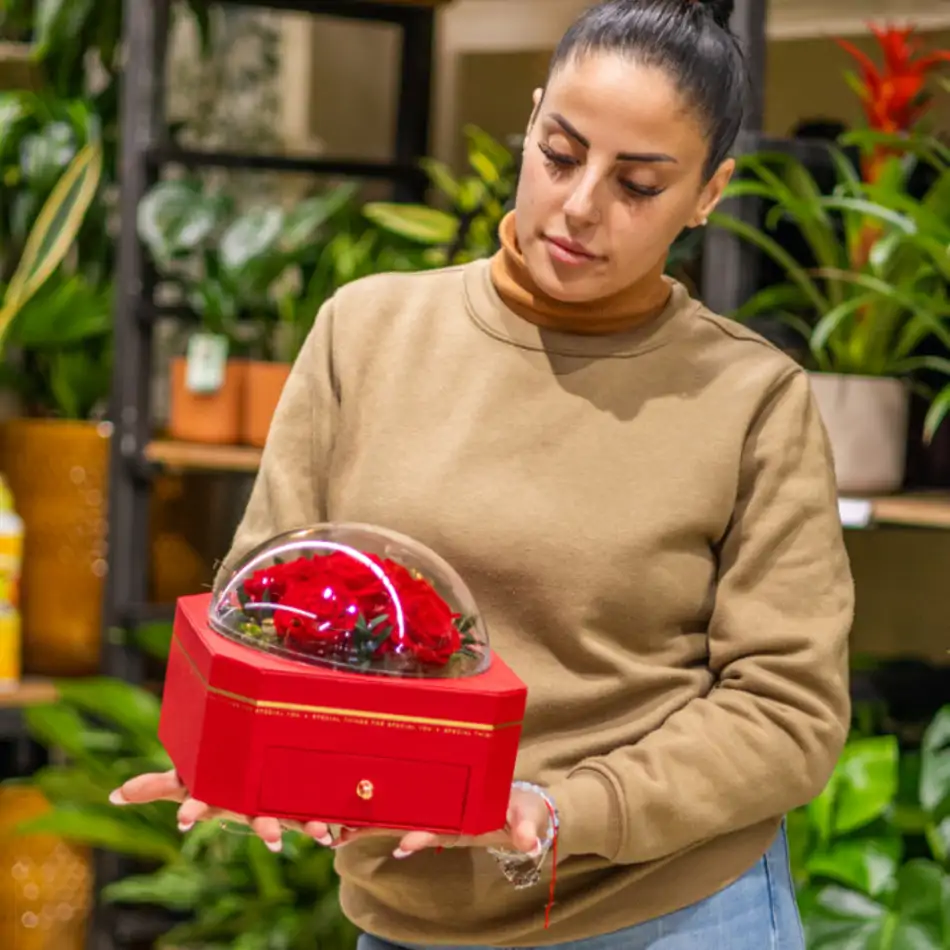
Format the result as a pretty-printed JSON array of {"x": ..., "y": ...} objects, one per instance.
[
  {"x": 524, "y": 835},
  {"x": 319, "y": 831},
  {"x": 191, "y": 811},
  {"x": 528, "y": 821},
  {"x": 151, "y": 787},
  {"x": 270, "y": 832},
  {"x": 416, "y": 841}
]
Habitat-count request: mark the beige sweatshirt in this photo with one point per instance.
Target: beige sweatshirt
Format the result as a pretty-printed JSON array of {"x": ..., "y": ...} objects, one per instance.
[{"x": 648, "y": 521}]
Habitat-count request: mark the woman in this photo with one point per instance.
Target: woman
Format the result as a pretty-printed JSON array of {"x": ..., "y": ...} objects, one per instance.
[{"x": 640, "y": 496}]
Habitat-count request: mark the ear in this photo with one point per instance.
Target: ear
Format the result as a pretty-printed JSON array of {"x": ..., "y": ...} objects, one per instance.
[
  {"x": 712, "y": 193},
  {"x": 537, "y": 97}
]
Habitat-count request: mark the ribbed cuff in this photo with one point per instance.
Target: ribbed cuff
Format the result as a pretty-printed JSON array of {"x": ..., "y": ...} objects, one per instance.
[{"x": 589, "y": 813}]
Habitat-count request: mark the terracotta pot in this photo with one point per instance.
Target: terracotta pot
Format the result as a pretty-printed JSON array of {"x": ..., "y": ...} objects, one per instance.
[
  {"x": 206, "y": 417},
  {"x": 58, "y": 473},
  {"x": 263, "y": 384},
  {"x": 867, "y": 419},
  {"x": 45, "y": 881}
]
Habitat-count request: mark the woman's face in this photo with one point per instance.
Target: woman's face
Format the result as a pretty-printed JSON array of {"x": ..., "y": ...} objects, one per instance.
[{"x": 612, "y": 173}]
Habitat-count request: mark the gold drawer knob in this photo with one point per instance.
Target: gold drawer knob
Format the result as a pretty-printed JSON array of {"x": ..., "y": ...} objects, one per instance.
[{"x": 365, "y": 790}]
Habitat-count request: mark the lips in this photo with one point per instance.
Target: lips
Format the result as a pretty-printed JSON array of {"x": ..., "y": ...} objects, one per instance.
[{"x": 571, "y": 247}]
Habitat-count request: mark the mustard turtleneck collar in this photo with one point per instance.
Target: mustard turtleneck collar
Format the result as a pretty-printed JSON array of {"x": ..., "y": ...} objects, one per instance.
[{"x": 625, "y": 310}]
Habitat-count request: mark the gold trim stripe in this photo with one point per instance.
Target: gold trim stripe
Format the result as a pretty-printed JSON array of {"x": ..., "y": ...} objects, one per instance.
[{"x": 341, "y": 712}]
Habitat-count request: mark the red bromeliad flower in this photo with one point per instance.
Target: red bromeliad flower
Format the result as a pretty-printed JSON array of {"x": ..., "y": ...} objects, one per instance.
[{"x": 895, "y": 97}]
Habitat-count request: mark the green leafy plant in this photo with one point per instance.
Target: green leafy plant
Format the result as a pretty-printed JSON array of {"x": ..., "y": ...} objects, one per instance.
[
  {"x": 243, "y": 273},
  {"x": 877, "y": 288},
  {"x": 56, "y": 321},
  {"x": 222, "y": 890},
  {"x": 466, "y": 230},
  {"x": 870, "y": 854}
]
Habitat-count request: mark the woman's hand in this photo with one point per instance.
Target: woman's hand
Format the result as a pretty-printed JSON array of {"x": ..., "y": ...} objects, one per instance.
[
  {"x": 527, "y": 826},
  {"x": 167, "y": 787}
]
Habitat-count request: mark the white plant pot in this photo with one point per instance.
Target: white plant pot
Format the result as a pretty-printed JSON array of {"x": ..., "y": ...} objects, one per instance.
[{"x": 866, "y": 418}]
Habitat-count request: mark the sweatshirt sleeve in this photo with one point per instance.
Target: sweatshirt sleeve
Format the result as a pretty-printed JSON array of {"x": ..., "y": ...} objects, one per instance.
[
  {"x": 765, "y": 740},
  {"x": 289, "y": 490}
]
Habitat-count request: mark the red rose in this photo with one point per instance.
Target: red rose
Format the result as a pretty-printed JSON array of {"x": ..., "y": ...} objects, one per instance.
[
  {"x": 266, "y": 583},
  {"x": 430, "y": 632},
  {"x": 311, "y": 614}
]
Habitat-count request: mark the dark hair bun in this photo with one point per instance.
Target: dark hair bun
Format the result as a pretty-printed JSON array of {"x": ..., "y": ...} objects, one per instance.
[{"x": 721, "y": 10}]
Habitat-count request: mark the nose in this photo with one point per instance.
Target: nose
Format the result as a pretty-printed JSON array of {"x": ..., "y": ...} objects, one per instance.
[{"x": 581, "y": 204}]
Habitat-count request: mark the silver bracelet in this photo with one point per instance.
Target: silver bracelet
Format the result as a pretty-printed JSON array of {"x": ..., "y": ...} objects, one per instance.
[{"x": 523, "y": 869}]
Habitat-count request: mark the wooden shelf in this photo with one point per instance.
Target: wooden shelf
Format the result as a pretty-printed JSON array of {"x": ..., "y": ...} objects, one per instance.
[
  {"x": 30, "y": 692},
  {"x": 196, "y": 456},
  {"x": 930, "y": 510}
]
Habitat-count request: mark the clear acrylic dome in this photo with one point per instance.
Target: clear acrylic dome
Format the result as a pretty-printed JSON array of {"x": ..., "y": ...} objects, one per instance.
[{"x": 354, "y": 597}]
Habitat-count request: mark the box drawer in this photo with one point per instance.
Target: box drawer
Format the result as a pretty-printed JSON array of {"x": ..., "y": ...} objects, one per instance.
[{"x": 363, "y": 789}]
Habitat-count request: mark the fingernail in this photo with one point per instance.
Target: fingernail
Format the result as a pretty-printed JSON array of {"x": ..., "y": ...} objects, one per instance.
[
  {"x": 325, "y": 840},
  {"x": 401, "y": 853},
  {"x": 117, "y": 798},
  {"x": 275, "y": 846},
  {"x": 184, "y": 826}
]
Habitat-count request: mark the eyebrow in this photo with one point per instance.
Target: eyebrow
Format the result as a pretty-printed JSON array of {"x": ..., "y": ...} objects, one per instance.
[{"x": 652, "y": 157}]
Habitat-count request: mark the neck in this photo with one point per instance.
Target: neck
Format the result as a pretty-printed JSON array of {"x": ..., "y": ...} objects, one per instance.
[{"x": 624, "y": 310}]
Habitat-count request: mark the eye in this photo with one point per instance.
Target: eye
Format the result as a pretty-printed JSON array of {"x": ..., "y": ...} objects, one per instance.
[
  {"x": 557, "y": 159},
  {"x": 641, "y": 191}
]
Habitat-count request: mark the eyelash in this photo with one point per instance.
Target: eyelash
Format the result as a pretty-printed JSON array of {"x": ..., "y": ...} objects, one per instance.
[{"x": 559, "y": 162}]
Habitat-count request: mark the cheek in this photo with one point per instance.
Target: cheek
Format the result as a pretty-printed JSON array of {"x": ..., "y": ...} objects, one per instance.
[
  {"x": 536, "y": 190},
  {"x": 656, "y": 222}
]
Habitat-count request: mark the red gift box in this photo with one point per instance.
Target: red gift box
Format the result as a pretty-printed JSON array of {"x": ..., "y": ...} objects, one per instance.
[{"x": 259, "y": 733}]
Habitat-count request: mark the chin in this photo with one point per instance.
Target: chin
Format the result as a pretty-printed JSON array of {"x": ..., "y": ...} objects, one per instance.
[{"x": 580, "y": 289}]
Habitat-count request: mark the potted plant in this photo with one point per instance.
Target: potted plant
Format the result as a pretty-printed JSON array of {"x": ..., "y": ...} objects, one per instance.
[
  {"x": 875, "y": 291},
  {"x": 231, "y": 268},
  {"x": 54, "y": 339},
  {"x": 866, "y": 306}
]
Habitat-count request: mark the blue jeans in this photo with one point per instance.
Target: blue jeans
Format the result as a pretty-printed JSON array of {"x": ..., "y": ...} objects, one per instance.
[{"x": 756, "y": 912}]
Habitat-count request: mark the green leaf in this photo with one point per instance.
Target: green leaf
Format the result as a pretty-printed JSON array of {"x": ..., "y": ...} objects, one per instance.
[
  {"x": 179, "y": 887},
  {"x": 441, "y": 176},
  {"x": 12, "y": 109},
  {"x": 849, "y": 904},
  {"x": 867, "y": 782},
  {"x": 871, "y": 209},
  {"x": 479, "y": 142},
  {"x": 64, "y": 311},
  {"x": 63, "y": 785},
  {"x": 306, "y": 219},
  {"x": 413, "y": 222},
  {"x": 57, "y": 726},
  {"x": 54, "y": 232},
  {"x": 795, "y": 272},
  {"x": 828, "y": 326},
  {"x": 935, "y": 765},
  {"x": 130, "y": 708},
  {"x": 820, "y": 810},
  {"x": 936, "y": 414},
  {"x": 175, "y": 218},
  {"x": 110, "y": 831},
  {"x": 868, "y": 865},
  {"x": 252, "y": 236}
]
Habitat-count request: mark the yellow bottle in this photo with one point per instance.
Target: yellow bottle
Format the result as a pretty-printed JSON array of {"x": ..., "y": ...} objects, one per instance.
[{"x": 11, "y": 558}]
